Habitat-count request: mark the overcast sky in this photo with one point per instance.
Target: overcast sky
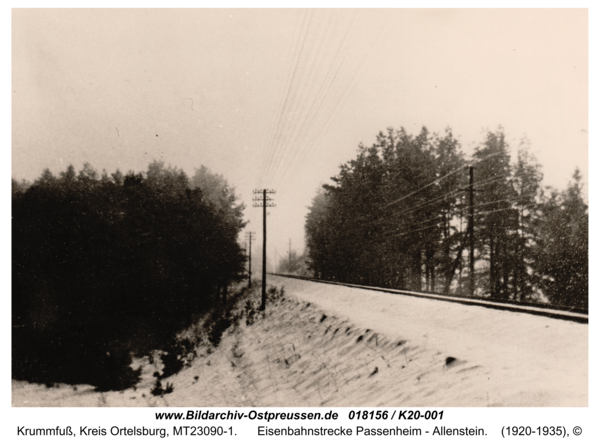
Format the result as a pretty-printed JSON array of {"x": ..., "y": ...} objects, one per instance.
[{"x": 280, "y": 98}]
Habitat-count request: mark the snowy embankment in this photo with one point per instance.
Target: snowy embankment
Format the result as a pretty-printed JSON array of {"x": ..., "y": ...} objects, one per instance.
[
  {"x": 517, "y": 359},
  {"x": 325, "y": 345}
]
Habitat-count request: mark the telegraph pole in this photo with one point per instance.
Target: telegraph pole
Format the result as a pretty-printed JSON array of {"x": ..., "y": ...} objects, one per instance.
[
  {"x": 290, "y": 257},
  {"x": 264, "y": 266},
  {"x": 471, "y": 236},
  {"x": 249, "y": 235},
  {"x": 265, "y": 204}
]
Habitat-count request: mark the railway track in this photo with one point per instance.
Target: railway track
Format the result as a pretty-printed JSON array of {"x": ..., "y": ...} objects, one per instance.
[{"x": 576, "y": 315}]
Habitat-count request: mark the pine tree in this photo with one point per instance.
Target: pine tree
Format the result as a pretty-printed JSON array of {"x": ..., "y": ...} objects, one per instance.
[
  {"x": 526, "y": 183},
  {"x": 562, "y": 250},
  {"x": 495, "y": 217}
]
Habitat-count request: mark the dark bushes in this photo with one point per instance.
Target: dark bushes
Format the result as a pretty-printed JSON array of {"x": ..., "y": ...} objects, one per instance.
[{"x": 104, "y": 268}]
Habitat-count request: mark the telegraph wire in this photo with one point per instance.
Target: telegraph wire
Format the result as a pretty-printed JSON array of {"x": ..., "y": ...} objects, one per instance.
[
  {"x": 313, "y": 115},
  {"x": 307, "y": 67},
  {"x": 388, "y": 237},
  {"x": 319, "y": 99},
  {"x": 344, "y": 90},
  {"x": 459, "y": 207},
  {"x": 280, "y": 103},
  {"x": 452, "y": 193},
  {"x": 421, "y": 189},
  {"x": 333, "y": 76},
  {"x": 285, "y": 96},
  {"x": 302, "y": 41},
  {"x": 309, "y": 71},
  {"x": 462, "y": 207},
  {"x": 314, "y": 75}
]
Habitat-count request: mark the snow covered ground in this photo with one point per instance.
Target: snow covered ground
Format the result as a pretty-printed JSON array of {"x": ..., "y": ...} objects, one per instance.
[
  {"x": 325, "y": 345},
  {"x": 523, "y": 360}
]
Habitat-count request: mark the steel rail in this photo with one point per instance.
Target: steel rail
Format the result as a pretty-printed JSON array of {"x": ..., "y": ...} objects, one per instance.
[{"x": 576, "y": 315}]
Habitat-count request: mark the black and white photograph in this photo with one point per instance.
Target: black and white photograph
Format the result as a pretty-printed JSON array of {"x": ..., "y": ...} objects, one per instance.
[{"x": 299, "y": 207}]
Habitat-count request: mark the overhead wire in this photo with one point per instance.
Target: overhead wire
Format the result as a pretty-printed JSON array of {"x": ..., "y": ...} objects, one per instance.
[
  {"x": 479, "y": 205},
  {"x": 436, "y": 181},
  {"x": 332, "y": 67},
  {"x": 506, "y": 199},
  {"x": 460, "y": 190},
  {"x": 328, "y": 88},
  {"x": 344, "y": 89},
  {"x": 313, "y": 69},
  {"x": 455, "y": 192},
  {"x": 301, "y": 44},
  {"x": 430, "y": 202},
  {"x": 442, "y": 217},
  {"x": 308, "y": 67},
  {"x": 433, "y": 201},
  {"x": 280, "y": 103},
  {"x": 361, "y": 226},
  {"x": 435, "y": 225},
  {"x": 421, "y": 189},
  {"x": 287, "y": 142},
  {"x": 289, "y": 83}
]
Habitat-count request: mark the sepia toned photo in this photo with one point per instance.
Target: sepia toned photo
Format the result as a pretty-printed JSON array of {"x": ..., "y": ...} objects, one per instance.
[{"x": 299, "y": 208}]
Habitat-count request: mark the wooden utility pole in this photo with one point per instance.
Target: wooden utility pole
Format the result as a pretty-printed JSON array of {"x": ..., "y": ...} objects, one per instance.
[
  {"x": 265, "y": 204},
  {"x": 471, "y": 236},
  {"x": 264, "y": 266},
  {"x": 249, "y": 235},
  {"x": 290, "y": 258}
]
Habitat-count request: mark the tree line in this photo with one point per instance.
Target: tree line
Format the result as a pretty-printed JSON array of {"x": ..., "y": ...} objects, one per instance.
[
  {"x": 104, "y": 266},
  {"x": 398, "y": 216},
  {"x": 294, "y": 264}
]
